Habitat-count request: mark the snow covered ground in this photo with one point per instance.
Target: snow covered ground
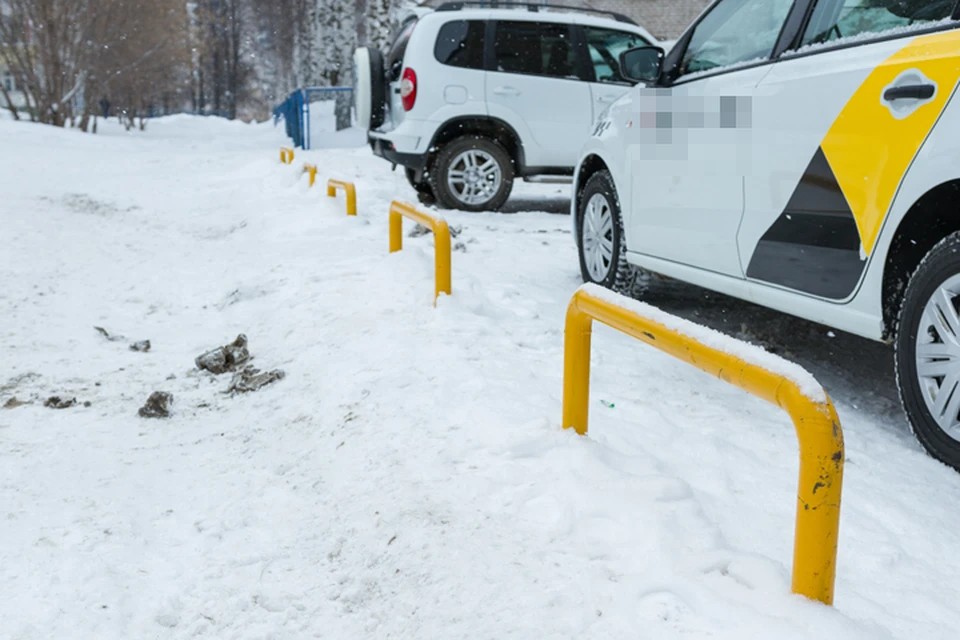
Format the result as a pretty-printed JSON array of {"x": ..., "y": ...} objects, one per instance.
[{"x": 407, "y": 478}]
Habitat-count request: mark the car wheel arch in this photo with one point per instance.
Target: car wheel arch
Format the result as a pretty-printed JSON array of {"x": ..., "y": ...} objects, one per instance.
[
  {"x": 493, "y": 128},
  {"x": 930, "y": 219},
  {"x": 589, "y": 166}
]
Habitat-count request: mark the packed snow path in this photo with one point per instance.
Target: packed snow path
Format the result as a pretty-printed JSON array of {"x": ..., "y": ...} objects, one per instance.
[{"x": 408, "y": 477}]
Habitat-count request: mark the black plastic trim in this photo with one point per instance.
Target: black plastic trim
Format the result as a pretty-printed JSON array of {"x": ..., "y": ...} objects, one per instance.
[{"x": 384, "y": 149}]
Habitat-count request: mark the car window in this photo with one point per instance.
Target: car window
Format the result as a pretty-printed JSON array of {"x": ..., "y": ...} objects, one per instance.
[
  {"x": 460, "y": 44},
  {"x": 535, "y": 48},
  {"x": 394, "y": 61},
  {"x": 735, "y": 32},
  {"x": 605, "y": 47},
  {"x": 836, "y": 19}
]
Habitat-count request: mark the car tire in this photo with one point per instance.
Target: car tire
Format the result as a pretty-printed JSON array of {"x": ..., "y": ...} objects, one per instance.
[
  {"x": 476, "y": 187},
  {"x": 369, "y": 93},
  {"x": 423, "y": 189},
  {"x": 925, "y": 313},
  {"x": 600, "y": 239}
]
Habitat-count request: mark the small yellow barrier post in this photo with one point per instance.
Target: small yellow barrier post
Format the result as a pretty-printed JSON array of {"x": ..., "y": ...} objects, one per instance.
[
  {"x": 441, "y": 234},
  {"x": 286, "y": 155},
  {"x": 817, "y": 425},
  {"x": 312, "y": 170},
  {"x": 348, "y": 189}
]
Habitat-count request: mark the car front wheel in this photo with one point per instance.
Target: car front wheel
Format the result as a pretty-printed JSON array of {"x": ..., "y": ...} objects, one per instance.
[
  {"x": 927, "y": 352},
  {"x": 600, "y": 236}
]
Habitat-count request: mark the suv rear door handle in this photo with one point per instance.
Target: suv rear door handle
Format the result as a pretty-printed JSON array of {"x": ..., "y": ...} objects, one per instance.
[
  {"x": 506, "y": 91},
  {"x": 909, "y": 92}
]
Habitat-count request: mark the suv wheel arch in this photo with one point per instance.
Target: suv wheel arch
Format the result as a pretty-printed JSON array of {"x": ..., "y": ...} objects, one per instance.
[{"x": 486, "y": 127}]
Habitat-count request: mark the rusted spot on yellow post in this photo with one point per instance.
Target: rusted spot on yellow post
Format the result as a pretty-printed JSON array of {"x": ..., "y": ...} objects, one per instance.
[
  {"x": 348, "y": 189},
  {"x": 312, "y": 170},
  {"x": 441, "y": 234},
  {"x": 817, "y": 425},
  {"x": 286, "y": 155}
]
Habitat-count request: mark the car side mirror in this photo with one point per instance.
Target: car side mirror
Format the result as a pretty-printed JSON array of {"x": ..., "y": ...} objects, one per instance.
[{"x": 642, "y": 64}]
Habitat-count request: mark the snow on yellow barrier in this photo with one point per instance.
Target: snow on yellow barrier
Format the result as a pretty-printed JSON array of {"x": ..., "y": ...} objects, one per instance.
[
  {"x": 286, "y": 155},
  {"x": 755, "y": 371},
  {"x": 441, "y": 232},
  {"x": 312, "y": 170},
  {"x": 348, "y": 189}
]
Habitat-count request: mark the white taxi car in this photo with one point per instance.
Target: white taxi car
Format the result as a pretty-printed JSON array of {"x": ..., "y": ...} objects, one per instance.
[{"x": 803, "y": 155}]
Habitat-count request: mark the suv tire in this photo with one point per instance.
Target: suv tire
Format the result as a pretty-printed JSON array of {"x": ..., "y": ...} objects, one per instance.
[
  {"x": 929, "y": 311},
  {"x": 462, "y": 176},
  {"x": 600, "y": 238},
  {"x": 369, "y": 87}
]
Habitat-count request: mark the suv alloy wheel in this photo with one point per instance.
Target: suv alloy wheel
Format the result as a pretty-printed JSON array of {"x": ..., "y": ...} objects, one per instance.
[{"x": 472, "y": 173}]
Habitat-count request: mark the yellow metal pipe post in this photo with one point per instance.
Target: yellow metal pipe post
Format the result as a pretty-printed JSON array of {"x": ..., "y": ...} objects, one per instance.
[
  {"x": 286, "y": 155},
  {"x": 817, "y": 426},
  {"x": 349, "y": 190},
  {"x": 441, "y": 233},
  {"x": 312, "y": 170}
]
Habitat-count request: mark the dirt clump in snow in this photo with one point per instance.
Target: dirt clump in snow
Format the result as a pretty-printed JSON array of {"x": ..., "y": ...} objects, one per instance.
[
  {"x": 142, "y": 345},
  {"x": 250, "y": 379},
  {"x": 13, "y": 403},
  {"x": 157, "y": 406},
  {"x": 226, "y": 358},
  {"x": 56, "y": 402}
]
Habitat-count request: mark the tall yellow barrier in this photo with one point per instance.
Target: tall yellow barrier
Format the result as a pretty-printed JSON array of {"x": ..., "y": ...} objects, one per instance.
[
  {"x": 817, "y": 425},
  {"x": 312, "y": 170},
  {"x": 286, "y": 155},
  {"x": 441, "y": 234},
  {"x": 349, "y": 190}
]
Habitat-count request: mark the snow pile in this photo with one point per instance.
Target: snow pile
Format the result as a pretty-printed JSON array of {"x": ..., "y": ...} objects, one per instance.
[{"x": 407, "y": 477}]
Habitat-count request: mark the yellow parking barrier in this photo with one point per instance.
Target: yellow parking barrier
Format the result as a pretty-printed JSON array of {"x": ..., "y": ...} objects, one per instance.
[
  {"x": 441, "y": 234},
  {"x": 286, "y": 155},
  {"x": 348, "y": 189},
  {"x": 312, "y": 170},
  {"x": 817, "y": 425}
]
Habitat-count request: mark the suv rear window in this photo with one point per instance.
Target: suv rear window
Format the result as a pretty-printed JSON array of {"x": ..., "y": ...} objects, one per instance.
[
  {"x": 535, "y": 48},
  {"x": 460, "y": 44},
  {"x": 394, "y": 61}
]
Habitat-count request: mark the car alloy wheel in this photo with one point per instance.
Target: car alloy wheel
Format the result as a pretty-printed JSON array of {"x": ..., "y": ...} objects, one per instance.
[
  {"x": 938, "y": 356},
  {"x": 474, "y": 177},
  {"x": 598, "y": 237}
]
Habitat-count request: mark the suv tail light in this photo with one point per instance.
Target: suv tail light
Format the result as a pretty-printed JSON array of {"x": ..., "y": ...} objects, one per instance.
[{"x": 408, "y": 88}]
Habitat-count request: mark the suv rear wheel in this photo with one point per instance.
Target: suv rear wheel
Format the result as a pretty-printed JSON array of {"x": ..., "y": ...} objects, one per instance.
[
  {"x": 472, "y": 173},
  {"x": 927, "y": 352}
]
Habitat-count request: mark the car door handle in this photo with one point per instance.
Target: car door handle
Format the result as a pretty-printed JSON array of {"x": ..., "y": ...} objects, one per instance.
[
  {"x": 506, "y": 91},
  {"x": 606, "y": 98},
  {"x": 910, "y": 92}
]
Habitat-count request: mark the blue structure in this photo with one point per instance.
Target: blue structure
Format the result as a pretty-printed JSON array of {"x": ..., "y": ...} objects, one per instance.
[{"x": 295, "y": 111}]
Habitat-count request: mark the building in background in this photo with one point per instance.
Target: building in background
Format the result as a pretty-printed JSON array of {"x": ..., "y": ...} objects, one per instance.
[{"x": 665, "y": 19}]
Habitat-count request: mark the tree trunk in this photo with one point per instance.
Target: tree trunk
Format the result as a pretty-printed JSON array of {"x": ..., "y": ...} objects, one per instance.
[{"x": 9, "y": 101}]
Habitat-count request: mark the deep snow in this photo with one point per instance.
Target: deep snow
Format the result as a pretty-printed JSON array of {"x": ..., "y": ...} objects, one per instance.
[{"x": 408, "y": 477}]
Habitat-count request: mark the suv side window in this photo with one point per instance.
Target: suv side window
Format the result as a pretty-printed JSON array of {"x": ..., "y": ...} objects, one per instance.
[
  {"x": 605, "y": 47},
  {"x": 735, "y": 32},
  {"x": 460, "y": 44},
  {"x": 835, "y": 19},
  {"x": 535, "y": 48}
]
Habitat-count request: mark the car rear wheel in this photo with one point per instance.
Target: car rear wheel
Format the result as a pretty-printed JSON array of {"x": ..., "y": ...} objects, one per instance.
[
  {"x": 927, "y": 352},
  {"x": 601, "y": 241},
  {"x": 472, "y": 173},
  {"x": 369, "y": 94}
]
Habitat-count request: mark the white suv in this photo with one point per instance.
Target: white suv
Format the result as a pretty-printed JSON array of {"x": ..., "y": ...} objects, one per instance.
[
  {"x": 803, "y": 155},
  {"x": 467, "y": 99}
]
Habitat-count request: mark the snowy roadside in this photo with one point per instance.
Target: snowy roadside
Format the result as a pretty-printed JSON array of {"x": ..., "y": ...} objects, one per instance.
[{"x": 407, "y": 477}]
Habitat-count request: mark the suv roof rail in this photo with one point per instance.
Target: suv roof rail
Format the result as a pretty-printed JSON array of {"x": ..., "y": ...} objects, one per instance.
[{"x": 529, "y": 6}]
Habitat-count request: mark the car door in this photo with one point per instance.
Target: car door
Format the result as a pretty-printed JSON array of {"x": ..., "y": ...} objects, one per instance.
[
  {"x": 692, "y": 138},
  {"x": 534, "y": 78},
  {"x": 847, "y": 122},
  {"x": 604, "y": 47}
]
